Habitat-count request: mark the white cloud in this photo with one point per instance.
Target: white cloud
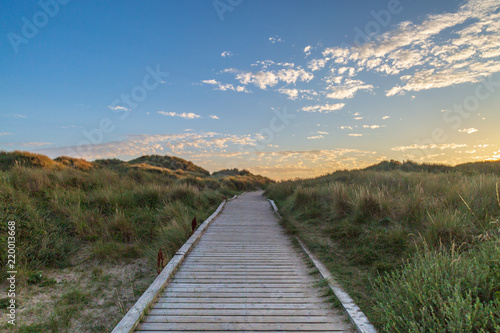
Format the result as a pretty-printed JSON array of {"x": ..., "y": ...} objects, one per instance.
[
  {"x": 431, "y": 146},
  {"x": 373, "y": 126},
  {"x": 346, "y": 127},
  {"x": 263, "y": 79},
  {"x": 33, "y": 144},
  {"x": 316, "y": 64},
  {"x": 355, "y": 134},
  {"x": 264, "y": 64},
  {"x": 226, "y": 54},
  {"x": 5, "y": 133},
  {"x": 324, "y": 108},
  {"x": 348, "y": 89},
  {"x": 292, "y": 93},
  {"x": 316, "y": 137},
  {"x": 386, "y": 117},
  {"x": 275, "y": 39},
  {"x": 468, "y": 130},
  {"x": 14, "y": 115},
  {"x": 463, "y": 58},
  {"x": 350, "y": 71},
  {"x": 184, "y": 115},
  {"x": 141, "y": 144},
  {"x": 439, "y": 51},
  {"x": 118, "y": 108},
  {"x": 223, "y": 87},
  {"x": 212, "y": 116},
  {"x": 322, "y": 132},
  {"x": 307, "y": 50}
]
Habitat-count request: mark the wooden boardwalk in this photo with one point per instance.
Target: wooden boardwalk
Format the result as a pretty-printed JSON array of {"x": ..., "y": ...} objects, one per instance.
[{"x": 243, "y": 275}]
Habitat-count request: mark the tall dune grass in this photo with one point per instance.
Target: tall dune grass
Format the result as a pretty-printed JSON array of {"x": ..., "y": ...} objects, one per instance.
[
  {"x": 115, "y": 213},
  {"x": 384, "y": 232}
]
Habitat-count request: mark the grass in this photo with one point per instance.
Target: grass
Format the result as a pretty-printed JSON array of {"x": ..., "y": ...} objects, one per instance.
[
  {"x": 69, "y": 211},
  {"x": 417, "y": 250}
]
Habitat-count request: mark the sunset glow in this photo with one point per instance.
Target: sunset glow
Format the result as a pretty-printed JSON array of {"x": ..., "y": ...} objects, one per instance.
[{"x": 283, "y": 88}]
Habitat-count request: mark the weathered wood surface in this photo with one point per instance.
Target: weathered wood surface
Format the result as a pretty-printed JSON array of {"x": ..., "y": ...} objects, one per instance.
[{"x": 243, "y": 275}]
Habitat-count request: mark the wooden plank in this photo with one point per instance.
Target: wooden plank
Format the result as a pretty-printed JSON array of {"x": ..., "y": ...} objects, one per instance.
[
  {"x": 249, "y": 306},
  {"x": 200, "y": 289},
  {"x": 238, "y": 285},
  {"x": 238, "y": 275},
  {"x": 220, "y": 327},
  {"x": 286, "y": 277},
  {"x": 235, "y": 331},
  {"x": 217, "y": 294},
  {"x": 151, "y": 318},
  {"x": 243, "y": 312},
  {"x": 240, "y": 300}
]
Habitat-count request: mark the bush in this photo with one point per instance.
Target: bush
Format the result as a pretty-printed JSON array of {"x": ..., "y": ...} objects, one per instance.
[{"x": 443, "y": 291}]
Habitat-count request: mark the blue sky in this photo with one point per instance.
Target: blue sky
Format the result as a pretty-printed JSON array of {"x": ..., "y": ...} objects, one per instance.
[{"x": 288, "y": 88}]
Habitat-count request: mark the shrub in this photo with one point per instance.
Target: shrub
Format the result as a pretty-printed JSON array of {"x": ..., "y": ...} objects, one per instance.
[{"x": 443, "y": 291}]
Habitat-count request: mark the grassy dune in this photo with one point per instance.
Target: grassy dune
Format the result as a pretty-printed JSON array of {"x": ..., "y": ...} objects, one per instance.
[
  {"x": 418, "y": 250},
  {"x": 72, "y": 213}
]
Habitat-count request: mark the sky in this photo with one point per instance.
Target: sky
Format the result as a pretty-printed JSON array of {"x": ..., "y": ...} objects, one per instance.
[{"x": 284, "y": 88}]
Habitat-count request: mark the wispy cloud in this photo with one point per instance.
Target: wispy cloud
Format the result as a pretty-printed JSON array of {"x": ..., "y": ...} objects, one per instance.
[
  {"x": 142, "y": 144},
  {"x": 315, "y": 137},
  {"x": 468, "y": 130},
  {"x": 184, "y": 115},
  {"x": 355, "y": 134},
  {"x": 223, "y": 87},
  {"x": 292, "y": 93},
  {"x": 307, "y": 50},
  {"x": 226, "y": 54},
  {"x": 14, "y": 115},
  {"x": 5, "y": 133},
  {"x": 317, "y": 64},
  {"x": 212, "y": 116},
  {"x": 32, "y": 144},
  {"x": 323, "y": 108},
  {"x": 438, "y": 50},
  {"x": 275, "y": 39},
  {"x": 264, "y": 79},
  {"x": 119, "y": 108},
  {"x": 431, "y": 146},
  {"x": 373, "y": 126},
  {"x": 347, "y": 89},
  {"x": 288, "y": 163}
]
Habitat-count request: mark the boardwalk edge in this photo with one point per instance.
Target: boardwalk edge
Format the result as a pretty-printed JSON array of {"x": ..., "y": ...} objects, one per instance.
[
  {"x": 354, "y": 313},
  {"x": 130, "y": 321}
]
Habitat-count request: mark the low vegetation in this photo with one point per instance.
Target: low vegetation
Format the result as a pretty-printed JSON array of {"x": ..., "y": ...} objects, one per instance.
[
  {"x": 71, "y": 212},
  {"x": 417, "y": 246}
]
